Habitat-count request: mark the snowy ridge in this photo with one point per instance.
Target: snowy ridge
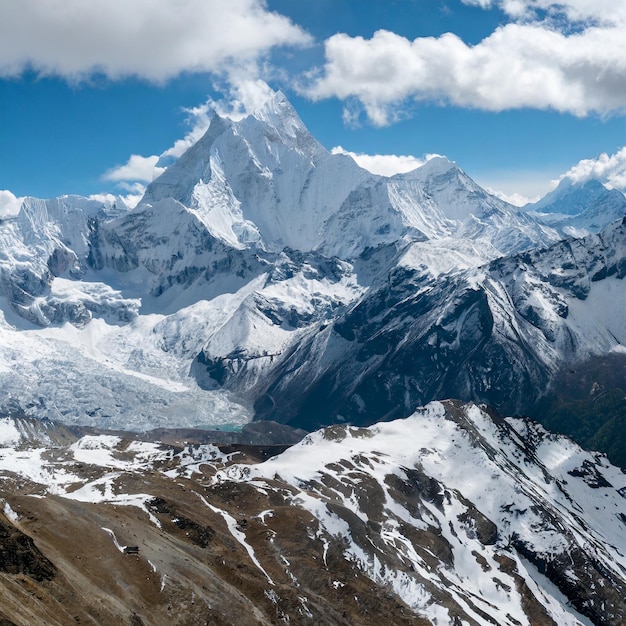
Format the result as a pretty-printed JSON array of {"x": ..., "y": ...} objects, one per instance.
[
  {"x": 519, "y": 502},
  {"x": 497, "y": 334},
  {"x": 534, "y": 531},
  {"x": 580, "y": 208}
]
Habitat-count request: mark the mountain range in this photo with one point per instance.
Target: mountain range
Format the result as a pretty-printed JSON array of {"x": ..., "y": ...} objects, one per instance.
[
  {"x": 579, "y": 208},
  {"x": 349, "y": 526},
  {"x": 253, "y": 256}
]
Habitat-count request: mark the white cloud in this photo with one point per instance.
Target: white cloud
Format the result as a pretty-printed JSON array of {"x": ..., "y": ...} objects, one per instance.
[
  {"x": 516, "y": 199},
  {"x": 137, "y": 168},
  {"x": 520, "y": 188},
  {"x": 199, "y": 119},
  {"x": 244, "y": 96},
  {"x": 597, "y": 11},
  {"x": 385, "y": 164},
  {"x": 609, "y": 169},
  {"x": 151, "y": 40},
  {"x": 9, "y": 203},
  {"x": 527, "y": 64},
  {"x": 130, "y": 200}
]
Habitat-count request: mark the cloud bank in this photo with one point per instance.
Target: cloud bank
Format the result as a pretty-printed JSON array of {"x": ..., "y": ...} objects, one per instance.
[
  {"x": 141, "y": 38},
  {"x": 9, "y": 203},
  {"x": 609, "y": 169},
  {"x": 568, "y": 57},
  {"x": 385, "y": 164}
]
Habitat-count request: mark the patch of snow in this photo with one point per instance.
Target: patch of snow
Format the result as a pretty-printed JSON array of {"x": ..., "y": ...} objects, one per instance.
[
  {"x": 239, "y": 536},
  {"x": 9, "y": 434},
  {"x": 109, "y": 532},
  {"x": 10, "y": 514}
]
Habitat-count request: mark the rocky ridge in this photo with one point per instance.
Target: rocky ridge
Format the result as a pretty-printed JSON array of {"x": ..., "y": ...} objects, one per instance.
[{"x": 350, "y": 526}]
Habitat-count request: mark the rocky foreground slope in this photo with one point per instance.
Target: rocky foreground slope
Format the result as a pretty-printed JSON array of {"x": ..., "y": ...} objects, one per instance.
[{"x": 451, "y": 516}]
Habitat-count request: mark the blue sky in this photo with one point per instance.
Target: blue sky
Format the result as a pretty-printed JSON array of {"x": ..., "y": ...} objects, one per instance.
[{"x": 517, "y": 92}]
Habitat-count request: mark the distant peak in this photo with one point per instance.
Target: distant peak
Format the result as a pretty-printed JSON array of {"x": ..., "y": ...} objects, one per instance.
[
  {"x": 570, "y": 196},
  {"x": 436, "y": 166},
  {"x": 567, "y": 183}
]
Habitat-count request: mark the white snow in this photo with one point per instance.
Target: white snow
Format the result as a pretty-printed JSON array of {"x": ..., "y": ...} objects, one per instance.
[
  {"x": 505, "y": 484},
  {"x": 109, "y": 532},
  {"x": 9, "y": 434},
  {"x": 9, "y": 513},
  {"x": 191, "y": 268},
  {"x": 600, "y": 320},
  {"x": 239, "y": 536},
  {"x": 502, "y": 484}
]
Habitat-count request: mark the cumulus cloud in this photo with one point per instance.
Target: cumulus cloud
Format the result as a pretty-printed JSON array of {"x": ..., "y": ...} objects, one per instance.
[
  {"x": 243, "y": 97},
  {"x": 596, "y": 11},
  {"x": 9, "y": 203},
  {"x": 199, "y": 119},
  {"x": 137, "y": 168},
  {"x": 609, "y": 169},
  {"x": 526, "y": 63},
  {"x": 516, "y": 199},
  {"x": 143, "y": 38},
  {"x": 131, "y": 200},
  {"x": 385, "y": 164}
]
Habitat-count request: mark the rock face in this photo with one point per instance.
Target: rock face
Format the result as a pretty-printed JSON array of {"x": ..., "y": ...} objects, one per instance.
[
  {"x": 19, "y": 555},
  {"x": 498, "y": 334},
  {"x": 351, "y": 526}
]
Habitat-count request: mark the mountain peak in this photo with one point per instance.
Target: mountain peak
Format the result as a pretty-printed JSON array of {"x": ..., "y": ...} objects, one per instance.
[
  {"x": 570, "y": 197},
  {"x": 438, "y": 165},
  {"x": 276, "y": 114},
  {"x": 276, "y": 104}
]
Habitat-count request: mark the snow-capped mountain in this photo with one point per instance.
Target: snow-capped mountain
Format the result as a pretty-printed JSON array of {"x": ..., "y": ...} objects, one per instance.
[
  {"x": 255, "y": 238},
  {"x": 266, "y": 181},
  {"x": 580, "y": 208},
  {"x": 262, "y": 277},
  {"x": 497, "y": 334},
  {"x": 352, "y": 526}
]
